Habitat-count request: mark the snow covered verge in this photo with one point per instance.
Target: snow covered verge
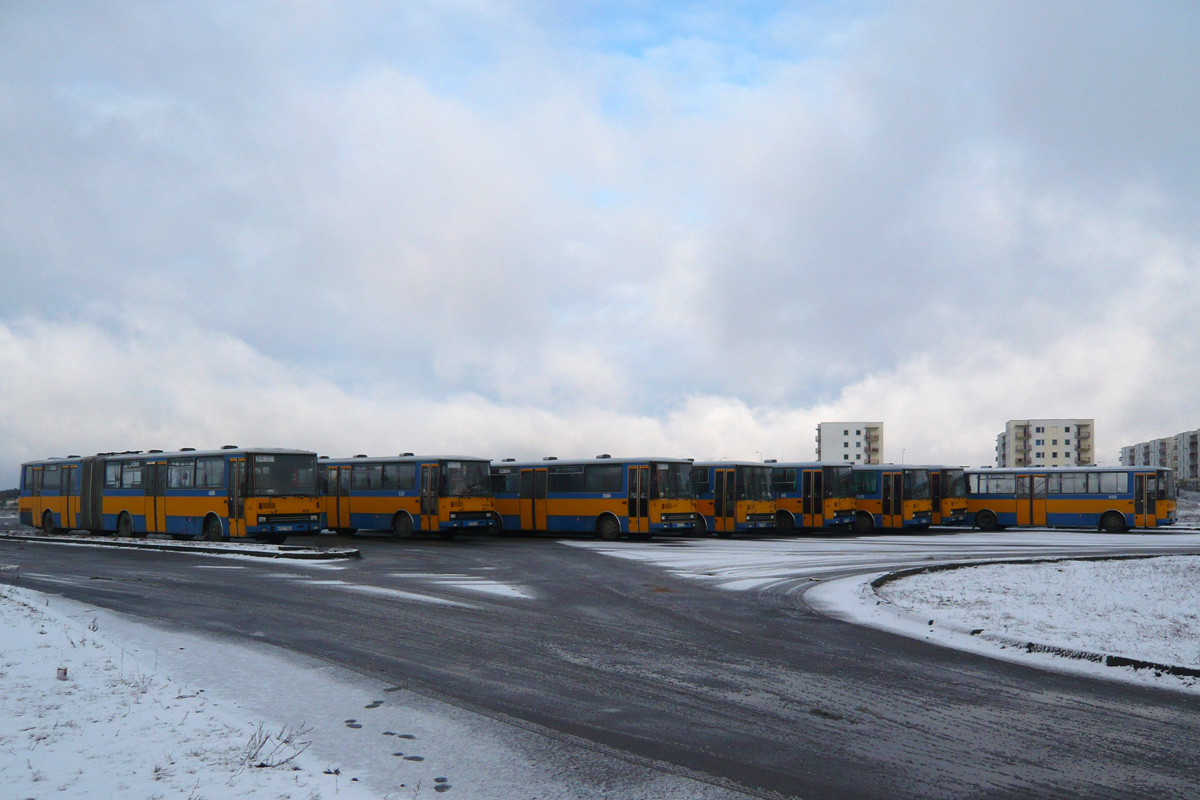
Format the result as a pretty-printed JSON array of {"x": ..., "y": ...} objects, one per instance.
[
  {"x": 1092, "y": 616},
  {"x": 81, "y": 717}
]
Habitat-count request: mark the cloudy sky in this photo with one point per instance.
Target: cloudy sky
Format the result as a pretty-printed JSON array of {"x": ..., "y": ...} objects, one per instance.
[{"x": 520, "y": 228}]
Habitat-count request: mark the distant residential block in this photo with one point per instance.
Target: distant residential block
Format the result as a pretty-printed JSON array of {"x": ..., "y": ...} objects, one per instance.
[
  {"x": 1179, "y": 452},
  {"x": 1046, "y": 443},
  {"x": 852, "y": 442}
]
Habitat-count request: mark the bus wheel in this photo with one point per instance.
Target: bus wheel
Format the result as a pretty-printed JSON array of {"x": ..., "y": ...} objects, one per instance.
[
  {"x": 497, "y": 525},
  {"x": 402, "y": 527},
  {"x": 1112, "y": 522},
  {"x": 608, "y": 529},
  {"x": 48, "y": 524},
  {"x": 863, "y": 523},
  {"x": 785, "y": 524},
  {"x": 701, "y": 525},
  {"x": 985, "y": 521},
  {"x": 212, "y": 530},
  {"x": 125, "y": 526}
]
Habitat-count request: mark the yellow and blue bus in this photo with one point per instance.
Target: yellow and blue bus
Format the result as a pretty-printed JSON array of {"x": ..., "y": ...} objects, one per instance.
[
  {"x": 812, "y": 495},
  {"x": 1112, "y": 499},
  {"x": 231, "y": 493},
  {"x": 891, "y": 497},
  {"x": 948, "y": 495},
  {"x": 606, "y": 496},
  {"x": 733, "y": 497},
  {"x": 407, "y": 494}
]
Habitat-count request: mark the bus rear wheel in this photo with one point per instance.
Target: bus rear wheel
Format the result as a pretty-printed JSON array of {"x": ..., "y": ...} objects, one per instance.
[
  {"x": 125, "y": 526},
  {"x": 863, "y": 523},
  {"x": 212, "y": 530},
  {"x": 608, "y": 529},
  {"x": 48, "y": 524},
  {"x": 986, "y": 521},
  {"x": 1112, "y": 522},
  {"x": 785, "y": 524},
  {"x": 402, "y": 526}
]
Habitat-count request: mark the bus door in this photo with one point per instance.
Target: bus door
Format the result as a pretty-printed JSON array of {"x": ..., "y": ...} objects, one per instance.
[
  {"x": 724, "y": 500},
  {"x": 892, "y": 490},
  {"x": 429, "y": 497},
  {"x": 70, "y": 490},
  {"x": 639, "y": 499},
  {"x": 935, "y": 494},
  {"x": 237, "y": 497},
  {"x": 818, "y": 500},
  {"x": 531, "y": 494},
  {"x": 1031, "y": 500},
  {"x": 1145, "y": 501},
  {"x": 337, "y": 497},
  {"x": 155, "y": 481}
]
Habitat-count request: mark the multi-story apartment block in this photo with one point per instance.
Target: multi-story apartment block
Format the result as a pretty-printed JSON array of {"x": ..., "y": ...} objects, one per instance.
[
  {"x": 1180, "y": 453},
  {"x": 855, "y": 442},
  {"x": 1046, "y": 443}
]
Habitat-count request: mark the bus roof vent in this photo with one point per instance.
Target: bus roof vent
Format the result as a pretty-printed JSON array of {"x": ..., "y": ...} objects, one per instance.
[
  {"x": 74, "y": 456},
  {"x": 229, "y": 447},
  {"x": 604, "y": 455},
  {"x": 320, "y": 457},
  {"x": 692, "y": 460},
  {"x": 403, "y": 455},
  {"x": 771, "y": 461},
  {"x": 360, "y": 455},
  {"x": 550, "y": 458},
  {"x": 154, "y": 451},
  {"x": 506, "y": 460},
  {"x": 187, "y": 449}
]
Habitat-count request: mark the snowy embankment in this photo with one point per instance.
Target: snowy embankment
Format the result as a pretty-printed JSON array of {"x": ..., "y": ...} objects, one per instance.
[{"x": 81, "y": 717}]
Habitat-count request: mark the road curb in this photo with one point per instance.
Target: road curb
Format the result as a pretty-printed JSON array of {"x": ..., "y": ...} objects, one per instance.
[
  {"x": 1107, "y": 659},
  {"x": 253, "y": 549}
]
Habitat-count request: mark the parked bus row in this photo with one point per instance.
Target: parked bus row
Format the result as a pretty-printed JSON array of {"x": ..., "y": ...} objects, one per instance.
[{"x": 268, "y": 494}]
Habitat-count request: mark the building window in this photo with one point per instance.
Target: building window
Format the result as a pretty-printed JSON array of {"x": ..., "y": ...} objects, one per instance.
[
  {"x": 1054, "y": 454},
  {"x": 858, "y": 444},
  {"x": 846, "y": 457},
  {"x": 1039, "y": 430},
  {"x": 845, "y": 433},
  {"x": 1066, "y": 441},
  {"x": 845, "y": 444},
  {"x": 858, "y": 433},
  {"x": 1066, "y": 429}
]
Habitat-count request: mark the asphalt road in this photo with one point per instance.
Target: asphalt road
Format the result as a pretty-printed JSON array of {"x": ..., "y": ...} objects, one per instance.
[{"x": 753, "y": 690}]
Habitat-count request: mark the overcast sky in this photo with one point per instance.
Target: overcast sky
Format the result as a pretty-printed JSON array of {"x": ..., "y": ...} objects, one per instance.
[{"x": 531, "y": 228}]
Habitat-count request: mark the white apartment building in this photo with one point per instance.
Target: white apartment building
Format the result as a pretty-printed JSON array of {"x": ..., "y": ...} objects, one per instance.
[
  {"x": 853, "y": 442},
  {"x": 1046, "y": 443},
  {"x": 1180, "y": 453}
]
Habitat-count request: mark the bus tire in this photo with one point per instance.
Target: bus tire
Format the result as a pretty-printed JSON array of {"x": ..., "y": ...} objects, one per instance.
[
  {"x": 701, "y": 528},
  {"x": 212, "y": 531},
  {"x": 125, "y": 526},
  {"x": 608, "y": 529},
  {"x": 863, "y": 522},
  {"x": 986, "y": 521},
  {"x": 48, "y": 524},
  {"x": 785, "y": 524},
  {"x": 1112, "y": 522},
  {"x": 402, "y": 526},
  {"x": 497, "y": 526}
]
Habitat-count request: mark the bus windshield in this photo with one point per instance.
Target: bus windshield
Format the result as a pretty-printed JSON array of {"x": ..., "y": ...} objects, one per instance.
[
  {"x": 956, "y": 483},
  {"x": 279, "y": 475},
  {"x": 916, "y": 484},
  {"x": 756, "y": 483},
  {"x": 466, "y": 479},
  {"x": 674, "y": 481},
  {"x": 839, "y": 481}
]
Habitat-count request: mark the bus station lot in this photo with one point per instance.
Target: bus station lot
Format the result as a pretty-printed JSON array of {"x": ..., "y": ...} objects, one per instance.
[{"x": 679, "y": 667}]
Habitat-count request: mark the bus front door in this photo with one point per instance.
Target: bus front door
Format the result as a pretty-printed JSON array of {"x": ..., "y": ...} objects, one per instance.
[
  {"x": 429, "y": 498},
  {"x": 638, "y": 498},
  {"x": 935, "y": 494},
  {"x": 531, "y": 494},
  {"x": 237, "y": 497},
  {"x": 724, "y": 501},
  {"x": 1031, "y": 500},
  {"x": 893, "y": 499},
  {"x": 337, "y": 511},
  {"x": 1145, "y": 501}
]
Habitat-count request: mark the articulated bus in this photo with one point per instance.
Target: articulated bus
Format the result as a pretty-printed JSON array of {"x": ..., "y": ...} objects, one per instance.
[
  {"x": 891, "y": 497},
  {"x": 230, "y": 493},
  {"x": 948, "y": 495},
  {"x": 732, "y": 496},
  {"x": 606, "y": 496},
  {"x": 407, "y": 494},
  {"x": 1110, "y": 499},
  {"x": 812, "y": 495}
]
